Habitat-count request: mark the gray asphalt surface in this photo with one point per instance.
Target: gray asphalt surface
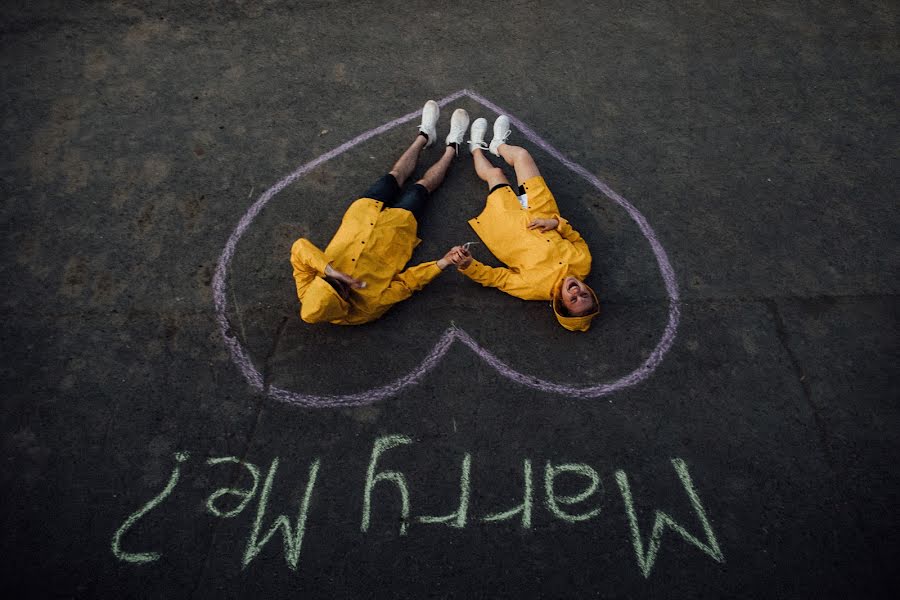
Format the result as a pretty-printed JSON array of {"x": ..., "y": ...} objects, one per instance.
[{"x": 759, "y": 142}]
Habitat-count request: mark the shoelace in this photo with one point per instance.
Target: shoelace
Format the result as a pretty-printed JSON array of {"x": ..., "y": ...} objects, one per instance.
[
  {"x": 504, "y": 138},
  {"x": 460, "y": 138}
]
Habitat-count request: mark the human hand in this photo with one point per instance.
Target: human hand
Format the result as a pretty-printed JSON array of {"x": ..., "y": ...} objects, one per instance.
[
  {"x": 352, "y": 282},
  {"x": 544, "y": 225},
  {"x": 458, "y": 256},
  {"x": 464, "y": 257}
]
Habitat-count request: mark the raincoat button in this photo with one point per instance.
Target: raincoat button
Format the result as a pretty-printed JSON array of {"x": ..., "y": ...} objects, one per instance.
[{"x": 362, "y": 242}]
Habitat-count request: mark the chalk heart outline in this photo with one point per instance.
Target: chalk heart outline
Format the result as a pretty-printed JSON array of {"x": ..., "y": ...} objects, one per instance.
[{"x": 452, "y": 334}]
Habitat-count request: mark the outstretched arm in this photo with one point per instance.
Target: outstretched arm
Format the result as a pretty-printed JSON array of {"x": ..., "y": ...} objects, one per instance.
[
  {"x": 501, "y": 278},
  {"x": 497, "y": 277},
  {"x": 415, "y": 278}
]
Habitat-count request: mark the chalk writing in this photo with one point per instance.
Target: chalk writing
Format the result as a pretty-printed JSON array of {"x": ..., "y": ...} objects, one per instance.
[
  {"x": 645, "y": 561},
  {"x": 381, "y": 445},
  {"x": 571, "y": 508},
  {"x": 458, "y": 517},
  {"x": 524, "y": 508},
  {"x": 241, "y": 358},
  {"x": 292, "y": 538},
  {"x": 554, "y": 502},
  {"x": 146, "y": 557},
  {"x": 245, "y": 495}
]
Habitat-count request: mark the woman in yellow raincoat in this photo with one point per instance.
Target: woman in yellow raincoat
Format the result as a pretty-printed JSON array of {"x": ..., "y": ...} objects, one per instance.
[
  {"x": 547, "y": 259},
  {"x": 360, "y": 274}
]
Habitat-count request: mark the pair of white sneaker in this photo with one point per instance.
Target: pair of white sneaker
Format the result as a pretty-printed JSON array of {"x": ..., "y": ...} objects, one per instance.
[{"x": 459, "y": 123}]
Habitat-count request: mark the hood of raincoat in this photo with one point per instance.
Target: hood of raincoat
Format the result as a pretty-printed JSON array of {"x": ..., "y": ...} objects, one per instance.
[
  {"x": 322, "y": 303},
  {"x": 582, "y": 323}
]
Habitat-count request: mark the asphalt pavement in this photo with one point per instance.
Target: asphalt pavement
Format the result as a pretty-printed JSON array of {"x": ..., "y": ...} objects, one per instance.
[{"x": 727, "y": 429}]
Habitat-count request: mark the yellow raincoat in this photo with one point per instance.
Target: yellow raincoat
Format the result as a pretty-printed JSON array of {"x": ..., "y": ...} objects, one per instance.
[
  {"x": 372, "y": 245},
  {"x": 538, "y": 262}
]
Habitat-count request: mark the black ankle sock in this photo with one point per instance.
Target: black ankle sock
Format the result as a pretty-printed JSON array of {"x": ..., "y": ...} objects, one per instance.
[
  {"x": 425, "y": 135},
  {"x": 454, "y": 146}
]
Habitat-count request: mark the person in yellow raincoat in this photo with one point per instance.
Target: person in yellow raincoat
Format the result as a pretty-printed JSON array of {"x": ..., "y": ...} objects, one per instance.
[
  {"x": 360, "y": 274},
  {"x": 547, "y": 259}
]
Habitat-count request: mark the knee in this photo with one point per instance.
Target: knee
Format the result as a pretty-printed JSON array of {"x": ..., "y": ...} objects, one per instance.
[
  {"x": 496, "y": 173},
  {"x": 493, "y": 174},
  {"x": 515, "y": 153}
]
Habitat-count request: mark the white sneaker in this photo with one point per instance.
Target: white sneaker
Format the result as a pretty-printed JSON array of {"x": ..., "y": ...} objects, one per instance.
[
  {"x": 501, "y": 133},
  {"x": 479, "y": 127},
  {"x": 430, "y": 114},
  {"x": 459, "y": 122}
]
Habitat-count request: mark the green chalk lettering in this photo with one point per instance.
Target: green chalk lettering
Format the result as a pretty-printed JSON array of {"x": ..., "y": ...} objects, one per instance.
[
  {"x": 146, "y": 557},
  {"x": 646, "y": 560},
  {"x": 292, "y": 538},
  {"x": 554, "y": 502},
  {"x": 244, "y": 495},
  {"x": 524, "y": 508},
  {"x": 381, "y": 445},
  {"x": 457, "y": 518}
]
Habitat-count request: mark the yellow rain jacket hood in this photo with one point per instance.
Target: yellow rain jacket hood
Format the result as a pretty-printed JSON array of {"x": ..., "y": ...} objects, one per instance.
[
  {"x": 582, "y": 323},
  {"x": 537, "y": 262},
  {"x": 371, "y": 244}
]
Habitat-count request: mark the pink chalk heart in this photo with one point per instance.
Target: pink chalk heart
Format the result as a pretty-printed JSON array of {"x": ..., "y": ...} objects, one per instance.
[{"x": 452, "y": 334}]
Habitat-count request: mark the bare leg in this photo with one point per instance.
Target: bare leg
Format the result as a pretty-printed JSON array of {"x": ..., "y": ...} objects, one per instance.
[
  {"x": 406, "y": 164},
  {"x": 520, "y": 160},
  {"x": 434, "y": 176},
  {"x": 487, "y": 171}
]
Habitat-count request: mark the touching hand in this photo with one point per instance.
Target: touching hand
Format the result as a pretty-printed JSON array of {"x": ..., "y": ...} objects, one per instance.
[
  {"x": 458, "y": 256},
  {"x": 464, "y": 258},
  {"x": 544, "y": 225},
  {"x": 354, "y": 283}
]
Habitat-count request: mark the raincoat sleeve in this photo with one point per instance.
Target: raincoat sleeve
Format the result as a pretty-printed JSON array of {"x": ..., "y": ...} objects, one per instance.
[
  {"x": 501, "y": 278},
  {"x": 411, "y": 280},
  {"x": 308, "y": 262},
  {"x": 573, "y": 237},
  {"x": 569, "y": 233}
]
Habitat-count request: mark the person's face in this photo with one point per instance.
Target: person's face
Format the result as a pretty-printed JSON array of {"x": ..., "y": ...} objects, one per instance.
[{"x": 576, "y": 297}]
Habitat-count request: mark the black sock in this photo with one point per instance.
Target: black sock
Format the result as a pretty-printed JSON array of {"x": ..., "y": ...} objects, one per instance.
[
  {"x": 454, "y": 145},
  {"x": 422, "y": 133}
]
